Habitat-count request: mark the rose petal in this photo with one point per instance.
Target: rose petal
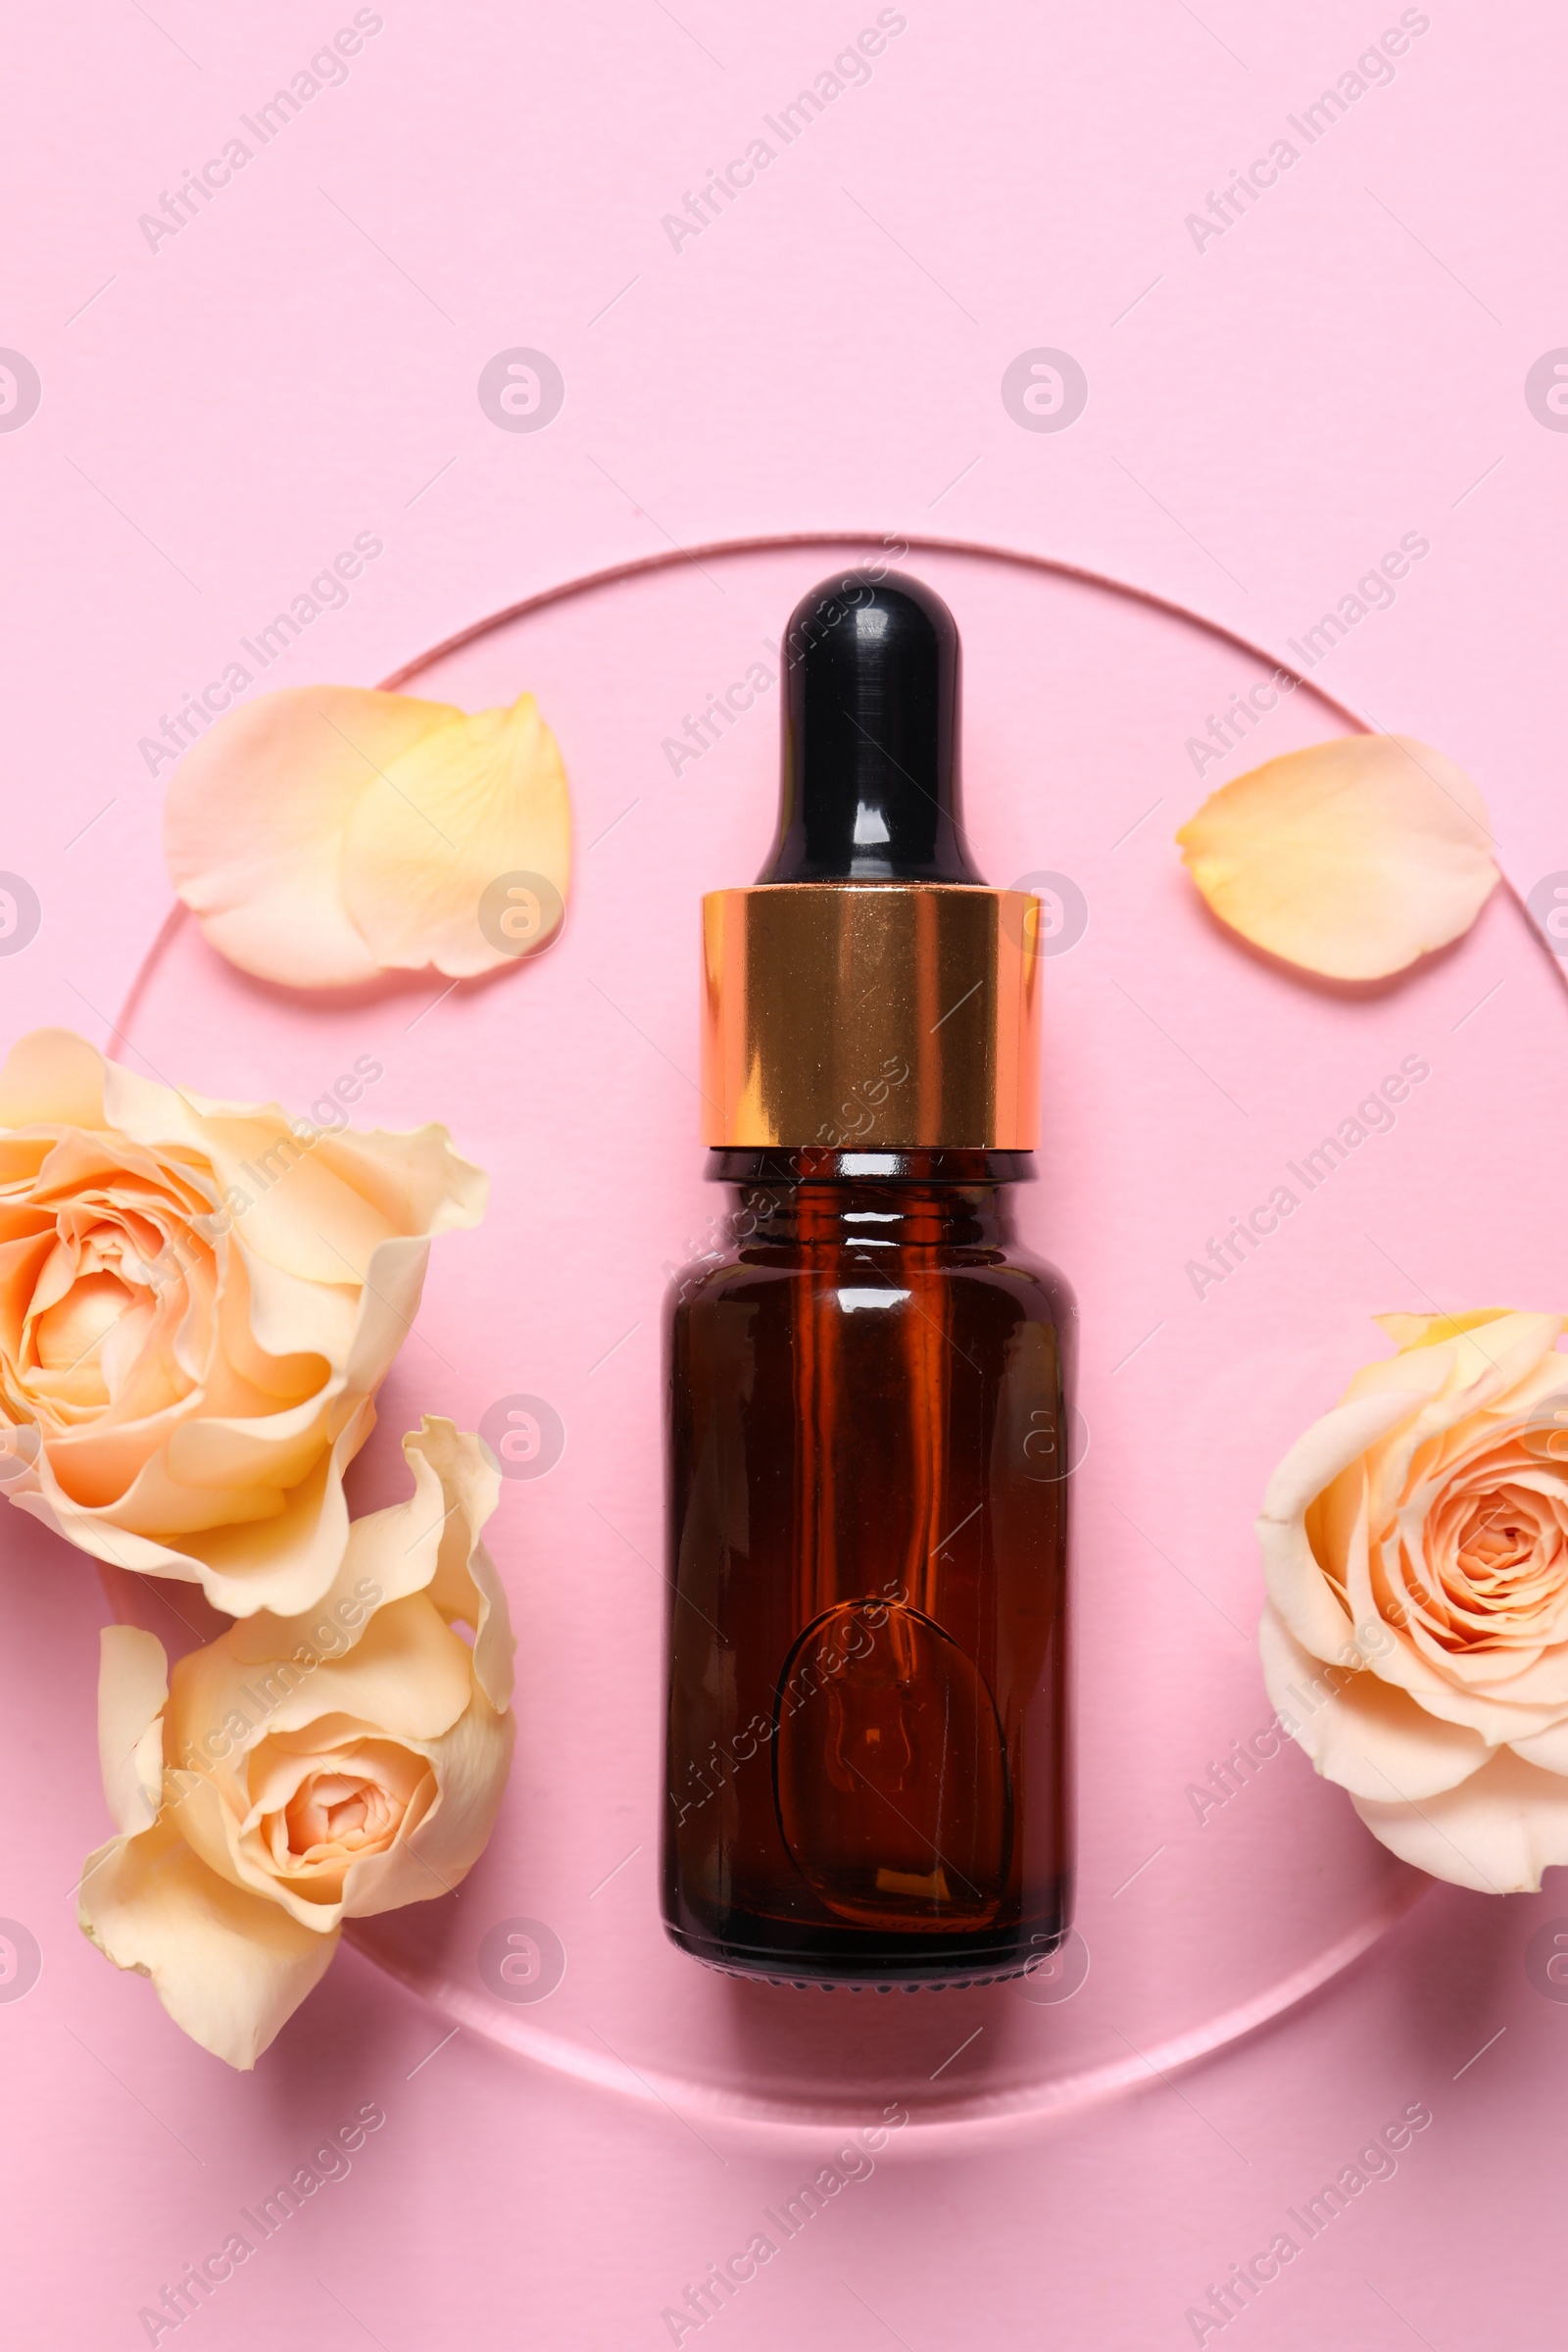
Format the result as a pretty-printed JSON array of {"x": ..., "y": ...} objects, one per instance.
[
  {"x": 1297, "y": 1585},
  {"x": 387, "y": 1555},
  {"x": 1463, "y": 1362},
  {"x": 54, "y": 1076},
  {"x": 327, "y": 833},
  {"x": 430, "y": 1544},
  {"x": 470, "y": 1764},
  {"x": 257, "y": 818},
  {"x": 284, "y": 1552},
  {"x": 465, "y": 1588},
  {"x": 1498, "y": 1722},
  {"x": 230, "y": 1968},
  {"x": 481, "y": 798},
  {"x": 1351, "y": 859},
  {"x": 1547, "y": 1748},
  {"x": 1370, "y": 1738},
  {"x": 1497, "y": 1831},
  {"x": 132, "y": 1689},
  {"x": 407, "y": 1675},
  {"x": 1422, "y": 1331}
]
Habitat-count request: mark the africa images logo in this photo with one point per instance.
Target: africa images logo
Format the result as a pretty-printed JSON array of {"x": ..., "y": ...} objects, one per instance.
[{"x": 19, "y": 390}]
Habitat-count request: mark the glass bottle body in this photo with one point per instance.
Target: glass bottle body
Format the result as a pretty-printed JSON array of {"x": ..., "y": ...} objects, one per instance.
[{"x": 869, "y": 1418}]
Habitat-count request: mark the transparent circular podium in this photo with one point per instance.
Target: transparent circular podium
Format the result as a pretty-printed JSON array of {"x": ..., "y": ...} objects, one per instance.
[{"x": 1219, "y": 1881}]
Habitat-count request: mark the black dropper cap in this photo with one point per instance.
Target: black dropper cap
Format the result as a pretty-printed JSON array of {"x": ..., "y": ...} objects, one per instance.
[{"x": 869, "y": 791}]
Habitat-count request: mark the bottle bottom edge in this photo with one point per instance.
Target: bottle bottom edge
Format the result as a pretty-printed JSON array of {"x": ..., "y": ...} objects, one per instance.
[{"x": 851, "y": 1971}]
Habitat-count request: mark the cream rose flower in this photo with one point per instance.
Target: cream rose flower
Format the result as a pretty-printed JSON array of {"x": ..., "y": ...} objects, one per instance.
[
  {"x": 1415, "y": 1548},
  {"x": 303, "y": 1771},
  {"x": 197, "y": 1301}
]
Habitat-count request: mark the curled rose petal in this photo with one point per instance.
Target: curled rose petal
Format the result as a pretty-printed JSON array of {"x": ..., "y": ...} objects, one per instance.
[
  {"x": 298, "y": 1772},
  {"x": 327, "y": 833},
  {"x": 1351, "y": 859}
]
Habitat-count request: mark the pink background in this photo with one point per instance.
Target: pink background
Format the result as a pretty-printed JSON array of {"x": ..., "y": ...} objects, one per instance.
[{"x": 1266, "y": 417}]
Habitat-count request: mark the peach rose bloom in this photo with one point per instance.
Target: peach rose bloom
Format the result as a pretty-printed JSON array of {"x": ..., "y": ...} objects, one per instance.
[
  {"x": 197, "y": 1301},
  {"x": 303, "y": 1771},
  {"x": 1415, "y": 1548}
]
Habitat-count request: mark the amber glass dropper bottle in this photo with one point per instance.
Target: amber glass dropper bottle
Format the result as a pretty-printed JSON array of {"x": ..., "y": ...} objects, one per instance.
[{"x": 867, "y": 1388}]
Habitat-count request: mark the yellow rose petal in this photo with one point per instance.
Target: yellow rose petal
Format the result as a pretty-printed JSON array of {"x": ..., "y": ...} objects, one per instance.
[
  {"x": 1425, "y": 1331},
  {"x": 1351, "y": 858},
  {"x": 433, "y": 844},
  {"x": 230, "y": 1967},
  {"x": 329, "y": 833},
  {"x": 255, "y": 822}
]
